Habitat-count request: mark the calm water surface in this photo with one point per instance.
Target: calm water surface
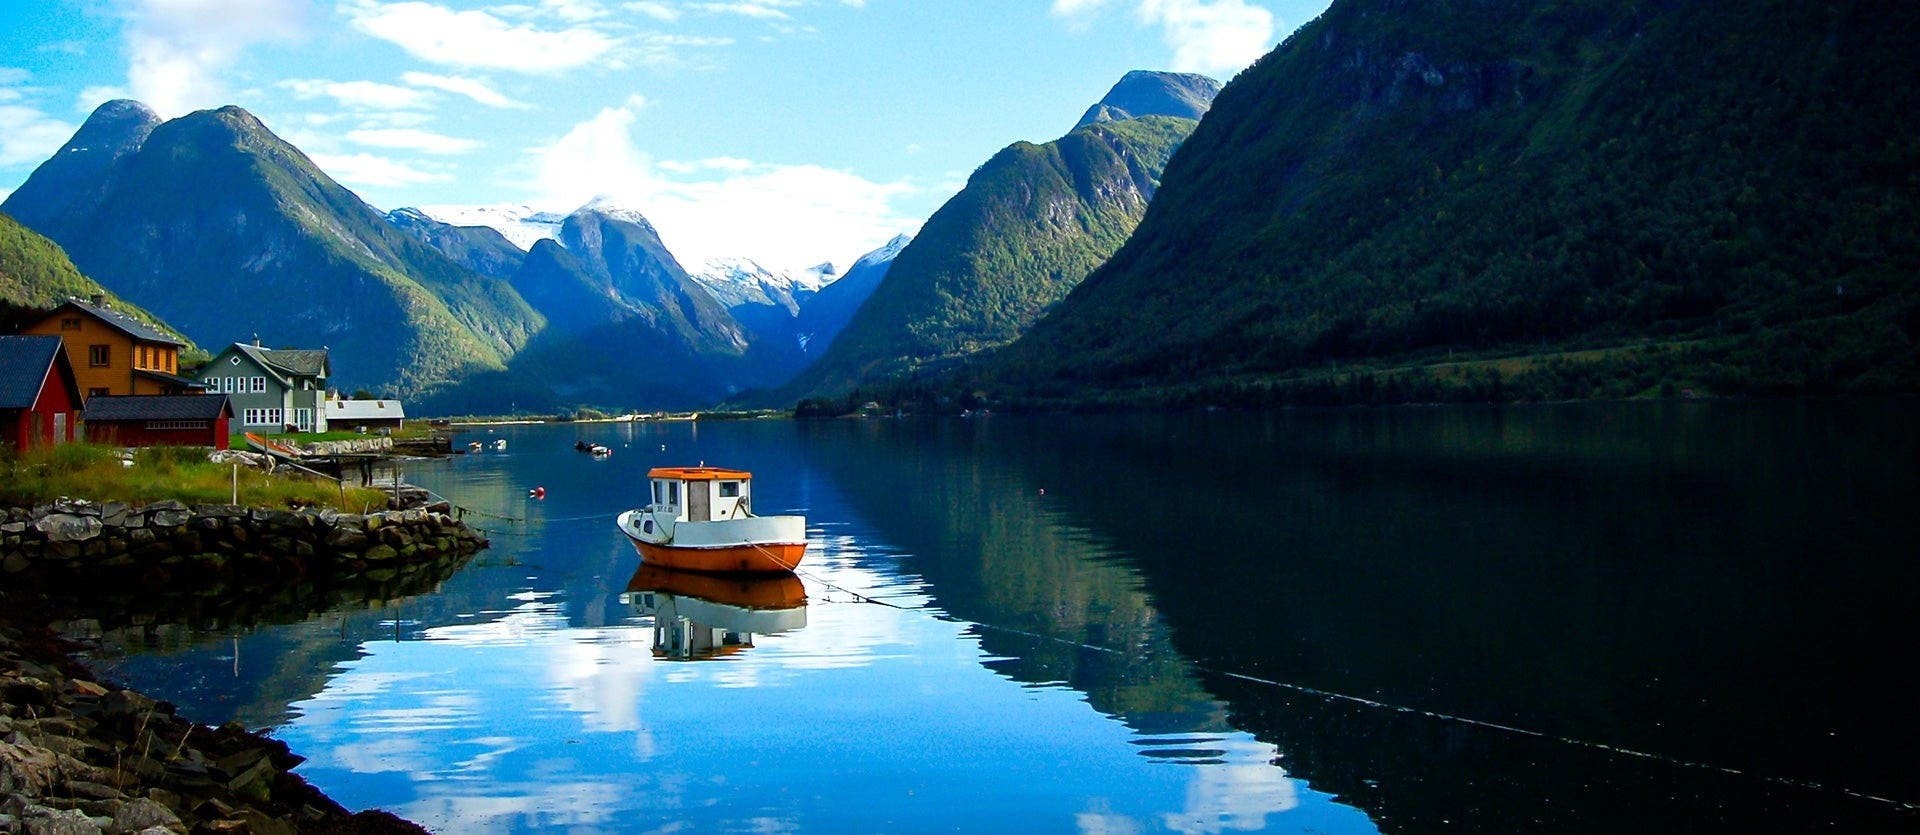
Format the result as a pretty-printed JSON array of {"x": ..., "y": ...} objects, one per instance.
[{"x": 1604, "y": 618}]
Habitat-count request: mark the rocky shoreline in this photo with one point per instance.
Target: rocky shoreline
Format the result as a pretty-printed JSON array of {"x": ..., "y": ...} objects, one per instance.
[{"x": 78, "y": 755}]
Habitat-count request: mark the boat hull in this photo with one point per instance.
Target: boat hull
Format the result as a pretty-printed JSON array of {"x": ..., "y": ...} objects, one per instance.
[
  {"x": 726, "y": 559},
  {"x": 761, "y": 544}
]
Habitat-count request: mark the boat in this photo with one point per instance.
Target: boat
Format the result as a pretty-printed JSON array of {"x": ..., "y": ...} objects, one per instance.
[
  {"x": 701, "y": 519},
  {"x": 500, "y": 445},
  {"x": 704, "y": 616},
  {"x": 594, "y": 449},
  {"x": 277, "y": 449}
]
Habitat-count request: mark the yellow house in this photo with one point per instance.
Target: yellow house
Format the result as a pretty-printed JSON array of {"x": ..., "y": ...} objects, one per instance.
[{"x": 114, "y": 353}]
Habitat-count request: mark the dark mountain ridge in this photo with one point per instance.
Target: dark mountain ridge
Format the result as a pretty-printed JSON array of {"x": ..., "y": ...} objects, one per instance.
[{"x": 1401, "y": 180}]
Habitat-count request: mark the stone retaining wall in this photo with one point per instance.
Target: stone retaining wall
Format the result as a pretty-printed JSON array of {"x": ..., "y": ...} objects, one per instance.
[
  {"x": 117, "y": 543},
  {"x": 78, "y": 756}
]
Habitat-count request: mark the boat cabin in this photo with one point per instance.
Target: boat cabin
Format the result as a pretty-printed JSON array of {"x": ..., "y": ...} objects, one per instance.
[{"x": 701, "y": 494}]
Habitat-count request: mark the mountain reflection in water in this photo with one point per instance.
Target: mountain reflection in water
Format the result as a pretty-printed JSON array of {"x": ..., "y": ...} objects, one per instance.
[{"x": 1152, "y": 623}]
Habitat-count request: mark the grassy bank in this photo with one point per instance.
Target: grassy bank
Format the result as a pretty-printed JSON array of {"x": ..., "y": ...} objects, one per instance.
[{"x": 99, "y": 473}]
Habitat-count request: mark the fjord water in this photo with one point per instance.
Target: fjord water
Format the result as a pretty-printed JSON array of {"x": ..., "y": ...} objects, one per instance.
[{"x": 1607, "y": 617}]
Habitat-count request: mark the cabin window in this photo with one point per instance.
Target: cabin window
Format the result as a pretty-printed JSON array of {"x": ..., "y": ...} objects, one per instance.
[
  {"x": 656, "y": 492},
  {"x": 70, "y": 323},
  {"x": 673, "y": 493},
  {"x": 729, "y": 489},
  {"x": 99, "y": 356}
]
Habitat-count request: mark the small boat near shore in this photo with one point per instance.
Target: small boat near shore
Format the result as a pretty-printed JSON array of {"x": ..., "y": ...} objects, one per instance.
[
  {"x": 701, "y": 519},
  {"x": 272, "y": 447}
]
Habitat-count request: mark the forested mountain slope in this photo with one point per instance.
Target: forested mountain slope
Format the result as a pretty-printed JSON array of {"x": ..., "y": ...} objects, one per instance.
[{"x": 1734, "y": 185}]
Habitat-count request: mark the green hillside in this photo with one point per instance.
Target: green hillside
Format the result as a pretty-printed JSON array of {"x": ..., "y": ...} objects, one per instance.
[
  {"x": 228, "y": 232},
  {"x": 36, "y": 276},
  {"x": 1029, "y": 225},
  {"x": 1501, "y": 200}
]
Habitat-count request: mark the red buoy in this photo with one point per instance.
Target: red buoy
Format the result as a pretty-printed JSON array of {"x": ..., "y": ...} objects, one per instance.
[{"x": 538, "y": 492}]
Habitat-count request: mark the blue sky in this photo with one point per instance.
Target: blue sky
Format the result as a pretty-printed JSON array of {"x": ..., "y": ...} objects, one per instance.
[{"x": 789, "y": 131}]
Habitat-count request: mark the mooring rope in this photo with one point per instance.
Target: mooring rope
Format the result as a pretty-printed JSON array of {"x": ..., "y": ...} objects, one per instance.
[{"x": 1330, "y": 695}]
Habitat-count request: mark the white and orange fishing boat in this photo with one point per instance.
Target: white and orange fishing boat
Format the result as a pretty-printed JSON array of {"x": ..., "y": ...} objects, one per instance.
[{"x": 701, "y": 519}]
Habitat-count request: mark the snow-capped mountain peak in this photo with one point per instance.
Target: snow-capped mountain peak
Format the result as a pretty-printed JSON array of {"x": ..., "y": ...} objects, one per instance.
[{"x": 522, "y": 225}]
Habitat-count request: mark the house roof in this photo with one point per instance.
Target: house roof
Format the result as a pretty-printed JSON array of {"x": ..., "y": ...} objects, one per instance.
[
  {"x": 289, "y": 362},
  {"x": 351, "y": 410},
  {"x": 25, "y": 362},
  {"x": 170, "y": 379},
  {"x": 102, "y": 407},
  {"x": 121, "y": 321}
]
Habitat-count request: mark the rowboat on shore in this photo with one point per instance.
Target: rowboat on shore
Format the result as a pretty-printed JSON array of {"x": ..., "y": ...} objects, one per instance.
[
  {"x": 701, "y": 519},
  {"x": 272, "y": 447}
]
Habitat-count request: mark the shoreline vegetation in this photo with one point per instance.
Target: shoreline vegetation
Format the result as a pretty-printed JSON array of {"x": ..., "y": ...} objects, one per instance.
[
  {"x": 102, "y": 473},
  {"x": 81, "y": 755}
]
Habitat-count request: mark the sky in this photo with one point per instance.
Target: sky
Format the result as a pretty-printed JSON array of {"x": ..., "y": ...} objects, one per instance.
[{"x": 786, "y": 131}]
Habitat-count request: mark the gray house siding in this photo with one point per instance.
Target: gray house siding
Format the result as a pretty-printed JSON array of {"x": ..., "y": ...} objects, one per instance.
[{"x": 265, "y": 396}]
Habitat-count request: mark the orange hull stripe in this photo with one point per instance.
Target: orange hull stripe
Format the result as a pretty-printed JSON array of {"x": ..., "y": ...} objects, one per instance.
[{"x": 777, "y": 557}]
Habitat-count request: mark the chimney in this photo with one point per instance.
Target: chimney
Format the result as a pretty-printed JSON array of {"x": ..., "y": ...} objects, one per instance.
[
  {"x": 256, "y": 340},
  {"x": 99, "y": 300}
]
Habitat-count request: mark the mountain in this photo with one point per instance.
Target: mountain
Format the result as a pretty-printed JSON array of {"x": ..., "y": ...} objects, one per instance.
[
  {"x": 36, "y": 276},
  {"x": 1147, "y": 93},
  {"x": 828, "y": 311},
  {"x": 521, "y": 225},
  {"x": 1029, "y": 225},
  {"x": 765, "y": 301},
  {"x": 1590, "y": 198},
  {"x": 481, "y": 249},
  {"x": 225, "y": 230},
  {"x": 71, "y": 184},
  {"x": 627, "y": 326}
]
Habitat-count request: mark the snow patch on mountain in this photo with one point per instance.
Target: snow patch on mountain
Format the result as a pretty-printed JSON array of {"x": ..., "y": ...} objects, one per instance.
[
  {"x": 739, "y": 281},
  {"x": 522, "y": 225}
]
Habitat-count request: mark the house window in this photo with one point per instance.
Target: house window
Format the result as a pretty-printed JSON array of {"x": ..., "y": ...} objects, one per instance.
[
  {"x": 69, "y": 323},
  {"x": 96, "y": 392},
  {"x": 226, "y": 385},
  {"x": 259, "y": 384},
  {"x": 213, "y": 383},
  {"x": 99, "y": 356},
  {"x": 262, "y": 417},
  {"x": 176, "y": 424}
]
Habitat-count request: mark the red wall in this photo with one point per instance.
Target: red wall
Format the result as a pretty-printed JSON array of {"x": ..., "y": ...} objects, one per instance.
[
  {"x": 34, "y": 427},
  {"x": 136, "y": 433}
]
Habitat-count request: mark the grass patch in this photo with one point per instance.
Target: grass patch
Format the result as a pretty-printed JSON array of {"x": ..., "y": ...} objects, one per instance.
[{"x": 98, "y": 473}]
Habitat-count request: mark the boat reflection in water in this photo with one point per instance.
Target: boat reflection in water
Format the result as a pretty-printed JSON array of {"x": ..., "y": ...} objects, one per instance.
[{"x": 697, "y": 617}]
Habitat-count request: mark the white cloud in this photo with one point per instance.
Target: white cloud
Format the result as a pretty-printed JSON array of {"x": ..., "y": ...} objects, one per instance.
[
  {"x": 412, "y": 139},
  {"x": 658, "y": 11},
  {"x": 360, "y": 95},
  {"x": 762, "y": 11},
  {"x": 91, "y": 98},
  {"x": 779, "y": 215},
  {"x": 1220, "y": 37},
  {"x": 177, "y": 50},
  {"x": 370, "y": 170},
  {"x": 1075, "y": 8},
  {"x": 476, "y": 38},
  {"x": 471, "y": 88},
  {"x": 28, "y": 136}
]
